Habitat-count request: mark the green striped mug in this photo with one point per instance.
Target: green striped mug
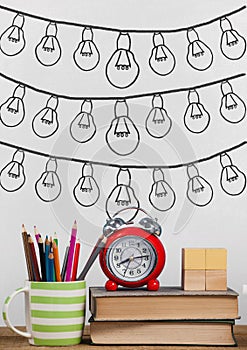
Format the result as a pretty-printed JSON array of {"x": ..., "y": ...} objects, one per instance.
[{"x": 55, "y": 312}]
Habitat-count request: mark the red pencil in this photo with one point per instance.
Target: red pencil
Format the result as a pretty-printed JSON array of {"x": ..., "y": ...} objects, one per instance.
[{"x": 76, "y": 260}]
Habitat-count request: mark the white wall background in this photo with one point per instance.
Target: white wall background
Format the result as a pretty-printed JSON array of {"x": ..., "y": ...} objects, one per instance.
[{"x": 221, "y": 224}]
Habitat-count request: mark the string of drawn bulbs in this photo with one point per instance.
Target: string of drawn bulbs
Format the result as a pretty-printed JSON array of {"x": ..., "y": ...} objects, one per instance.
[
  {"x": 123, "y": 136},
  {"x": 86, "y": 191},
  {"x": 122, "y": 68}
]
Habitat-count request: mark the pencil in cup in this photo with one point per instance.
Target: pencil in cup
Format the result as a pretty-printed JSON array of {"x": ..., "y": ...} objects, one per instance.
[
  {"x": 65, "y": 261},
  {"x": 34, "y": 261},
  {"x": 42, "y": 259},
  {"x": 56, "y": 261},
  {"x": 76, "y": 260},
  {"x": 27, "y": 253},
  {"x": 71, "y": 253},
  {"x": 47, "y": 252}
]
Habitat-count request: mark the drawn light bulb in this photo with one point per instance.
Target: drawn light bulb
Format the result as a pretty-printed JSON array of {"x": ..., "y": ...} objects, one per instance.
[
  {"x": 232, "y": 180},
  {"x": 199, "y": 191},
  {"x": 48, "y": 187},
  {"x": 162, "y": 61},
  {"x": 122, "y": 69},
  {"x": 232, "y": 44},
  {"x": 12, "y": 112},
  {"x": 122, "y": 137},
  {"x": 196, "y": 118},
  {"x": 122, "y": 196},
  {"x": 48, "y": 51},
  {"x": 158, "y": 123},
  {"x": 12, "y": 40},
  {"x": 12, "y": 176},
  {"x": 199, "y": 55},
  {"x": 86, "y": 191},
  {"x": 82, "y": 127},
  {"x": 162, "y": 196},
  {"x": 86, "y": 56},
  {"x": 45, "y": 123},
  {"x": 232, "y": 108}
]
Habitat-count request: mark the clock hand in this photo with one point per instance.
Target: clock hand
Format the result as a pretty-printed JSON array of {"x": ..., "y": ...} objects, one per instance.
[
  {"x": 140, "y": 256},
  {"x": 132, "y": 258},
  {"x": 124, "y": 261}
]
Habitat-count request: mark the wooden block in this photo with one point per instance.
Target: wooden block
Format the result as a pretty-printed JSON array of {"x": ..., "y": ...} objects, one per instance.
[
  {"x": 216, "y": 259},
  {"x": 216, "y": 280},
  {"x": 193, "y": 258},
  {"x": 193, "y": 279}
]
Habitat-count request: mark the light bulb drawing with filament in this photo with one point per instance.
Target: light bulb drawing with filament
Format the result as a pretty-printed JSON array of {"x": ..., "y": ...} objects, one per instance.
[
  {"x": 232, "y": 44},
  {"x": 199, "y": 191},
  {"x": 196, "y": 118},
  {"x": 233, "y": 108},
  {"x": 87, "y": 56},
  {"x": 199, "y": 55},
  {"x": 12, "y": 112},
  {"x": 12, "y": 176},
  {"x": 158, "y": 123},
  {"x": 122, "y": 196},
  {"x": 82, "y": 127},
  {"x": 48, "y": 187},
  {"x": 122, "y": 137},
  {"x": 162, "y": 197},
  {"x": 48, "y": 52},
  {"x": 12, "y": 40},
  {"x": 122, "y": 69},
  {"x": 45, "y": 123},
  {"x": 86, "y": 191},
  {"x": 232, "y": 180},
  {"x": 162, "y": 61}
]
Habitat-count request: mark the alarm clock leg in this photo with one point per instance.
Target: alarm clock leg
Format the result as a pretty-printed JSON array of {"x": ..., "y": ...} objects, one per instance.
[
  {"x": 153, "y": 285},
  {"x": 111, "y": 285}
]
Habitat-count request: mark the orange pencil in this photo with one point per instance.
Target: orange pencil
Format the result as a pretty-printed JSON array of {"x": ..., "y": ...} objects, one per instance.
[
  {"x": 34, "y": 260},
  {"x": 76, "y": 260},
  {"x": 56, "y": 262}
]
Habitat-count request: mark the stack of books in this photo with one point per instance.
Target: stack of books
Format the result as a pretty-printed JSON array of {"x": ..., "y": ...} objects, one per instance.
[{"x": 168, "y": 316}]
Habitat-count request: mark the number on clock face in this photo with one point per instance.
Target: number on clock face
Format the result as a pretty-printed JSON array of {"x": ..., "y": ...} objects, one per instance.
[{"x": 131, "y": 258}]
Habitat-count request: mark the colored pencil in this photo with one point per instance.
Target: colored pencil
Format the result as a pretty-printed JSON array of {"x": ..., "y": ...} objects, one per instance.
[
  {"x": 95, "y": 252},
  {"x": 76, "y": 260},
  {"x": 65, "y": 261},
  {"x": 42, "y": 259},
  {"x": 27, "y": 253},
  {"x": 56, "y": 261},
  {"x": 55, "y": 239},
  {"x": 71, "y": 252},
  {"x": 50, "y": 268},
  {"x": 37, "y": 235},
  {"x": 47, "y": 252},
  {"x": 34, "y": 259}
]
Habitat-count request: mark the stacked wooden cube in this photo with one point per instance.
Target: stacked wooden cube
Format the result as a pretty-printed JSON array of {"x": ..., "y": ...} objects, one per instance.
[{"x": 204, "y": 269}]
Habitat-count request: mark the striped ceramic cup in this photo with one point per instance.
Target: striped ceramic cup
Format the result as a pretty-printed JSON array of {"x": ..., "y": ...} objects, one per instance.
[{"x": 55, "y": 312}]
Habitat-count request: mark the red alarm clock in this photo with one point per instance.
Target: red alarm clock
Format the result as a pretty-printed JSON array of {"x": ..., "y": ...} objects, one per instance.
[{"x": 133, "y": 255}]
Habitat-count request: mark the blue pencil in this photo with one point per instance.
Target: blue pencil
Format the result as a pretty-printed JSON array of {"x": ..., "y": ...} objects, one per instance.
[
  {"x": 47, "y": 252},
  {"x": 51, "y": 271}
]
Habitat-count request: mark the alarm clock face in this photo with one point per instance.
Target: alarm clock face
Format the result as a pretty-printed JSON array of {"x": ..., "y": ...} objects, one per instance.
[{"x": 131, "y": 258}]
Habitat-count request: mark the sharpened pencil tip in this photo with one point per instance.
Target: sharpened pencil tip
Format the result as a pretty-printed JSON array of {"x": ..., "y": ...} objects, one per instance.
[{"x": 23, "y": 228}]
